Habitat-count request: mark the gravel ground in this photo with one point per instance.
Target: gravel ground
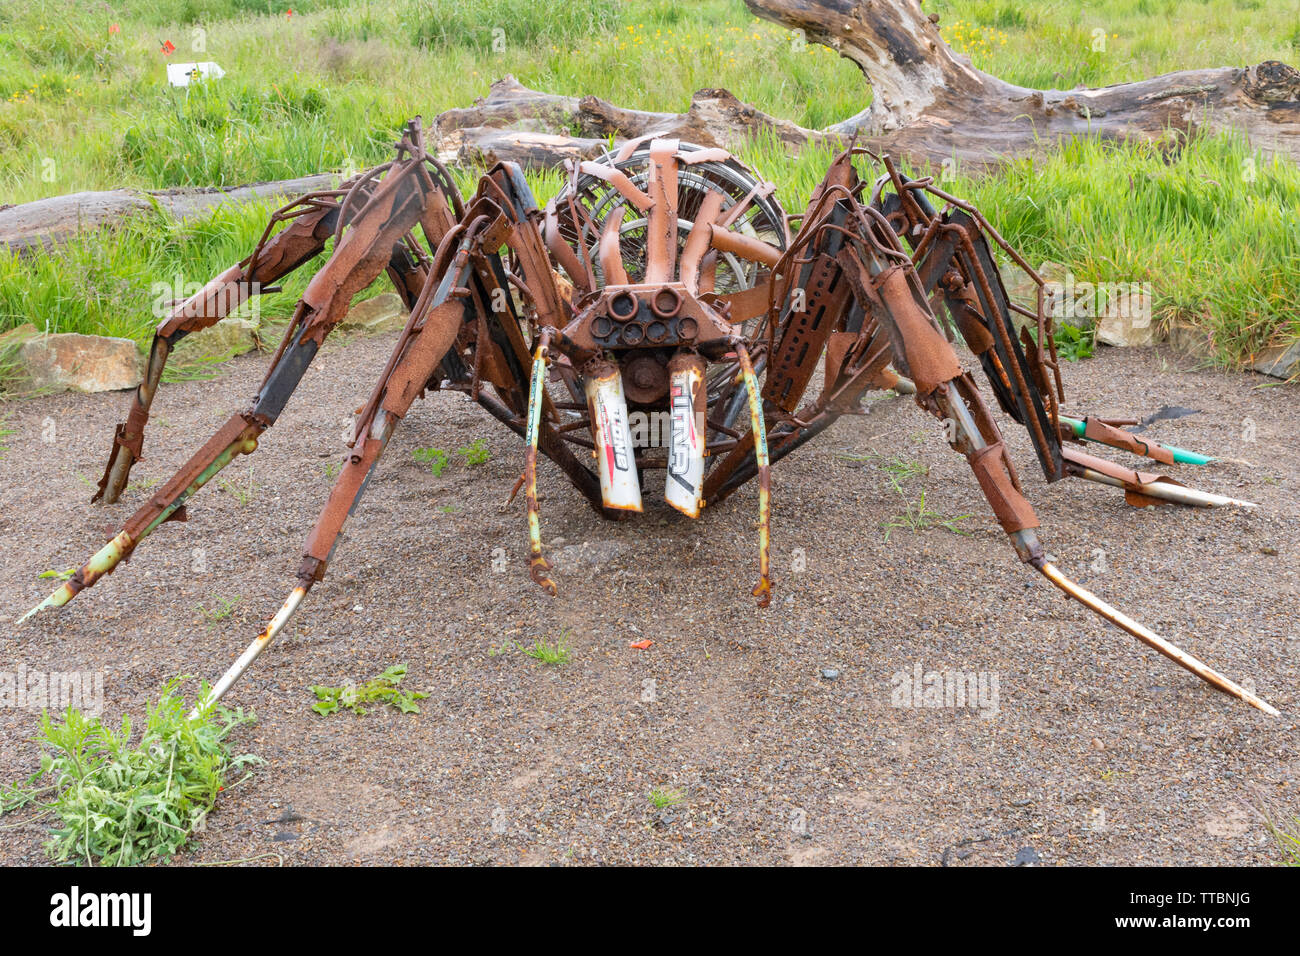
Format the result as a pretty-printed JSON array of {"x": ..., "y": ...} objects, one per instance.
[{"x": 1098, "y": 751}]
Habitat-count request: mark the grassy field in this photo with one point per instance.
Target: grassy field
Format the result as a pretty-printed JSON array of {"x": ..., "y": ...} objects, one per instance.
[{"x": 84, "y": 105}]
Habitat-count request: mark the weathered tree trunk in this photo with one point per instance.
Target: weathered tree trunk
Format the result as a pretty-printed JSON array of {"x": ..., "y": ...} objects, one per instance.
[
  {"x": 34, "y": 224},
  {"x": 525, "y": 126},
  {"x": 928, "y": 102},
  {"x": 896, "y": 46}
]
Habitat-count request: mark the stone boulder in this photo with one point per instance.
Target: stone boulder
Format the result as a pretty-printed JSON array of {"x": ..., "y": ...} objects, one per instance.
[
  {"x": 230, "y": 337},
  {"x": 1279, "y": 361},
  {"x": 1128, "y": 320},
  {"x": 1192, "y": 341},
  {"x": 383, "y": 313},
  {"x": 1023, "y": 291},
  {"x": 82, "y": 363}
]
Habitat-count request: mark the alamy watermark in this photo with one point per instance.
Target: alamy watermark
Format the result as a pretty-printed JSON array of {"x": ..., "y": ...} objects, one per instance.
[
  {"x": 948, "y": 688},
  {"x": 655, "y": 429},
  {"x": 35, "y": 690},
  {"x": 203, "y": 299},
  {"x": 1100, "y": 300}
]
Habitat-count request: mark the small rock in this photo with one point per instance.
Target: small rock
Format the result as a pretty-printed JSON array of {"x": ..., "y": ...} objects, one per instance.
[
  {"x": 830, "y": 673},
  {"x": 1280, "y": 361},
  {"x": 1126, "y": 321},
  {"x": 1027, "y": 856},
  {"x": 1192, "y": 341},
  {"x": 383, "y": 313},
  {"x": 1097, "y": 744},
  {"x": 230, "y": 337},
  {"x": 84, "y": 363}
]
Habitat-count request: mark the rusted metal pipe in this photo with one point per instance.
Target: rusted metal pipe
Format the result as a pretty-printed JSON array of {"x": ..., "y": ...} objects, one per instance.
[
  {"x": 763, "y": 589},
  {"x": 1168, "y": 491},
  {"x": 538, "y": 566},
  {"x": 260, "y": 643},
  {"x": 1153, "y": 640}
]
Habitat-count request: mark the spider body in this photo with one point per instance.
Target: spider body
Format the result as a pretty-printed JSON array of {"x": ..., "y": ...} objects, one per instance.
[{"x": 664, "y": 280}]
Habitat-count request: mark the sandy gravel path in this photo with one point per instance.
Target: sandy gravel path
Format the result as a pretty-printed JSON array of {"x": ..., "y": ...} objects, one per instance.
[{"x": 1099, "y": 751}]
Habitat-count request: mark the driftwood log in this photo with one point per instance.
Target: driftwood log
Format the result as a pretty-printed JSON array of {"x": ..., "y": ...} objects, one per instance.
[
  {"x": 928, "y": 103},
  {"x": 33, "y": 225},
  {"x": 516, "y": 123}
]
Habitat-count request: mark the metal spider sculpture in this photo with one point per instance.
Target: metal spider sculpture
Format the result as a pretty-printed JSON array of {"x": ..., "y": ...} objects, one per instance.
[{"x": 662, "y": 279}]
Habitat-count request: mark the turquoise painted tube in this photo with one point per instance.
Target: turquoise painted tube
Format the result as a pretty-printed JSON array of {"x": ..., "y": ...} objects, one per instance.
[{"x": 1181, "y": 455}]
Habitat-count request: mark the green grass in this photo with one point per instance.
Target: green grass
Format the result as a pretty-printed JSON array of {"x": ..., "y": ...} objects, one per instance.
[
  {"x": 550, "y": 654},
  {"x": 899, "y": 470},
  {"x": 1072, "y": 342},
  {"x": 663, "y": 797},
  {"x": 917, "y": 516},
  {"x": 118, "y": 803},
  {"x": 1287, "y": 836},
  {"x": 103, "y": 282},
  {"x": 327, "y": 89},
  {"x": 436, "y": 458},
  {"x": 1282, "y": 825},
  {"x": 221, "y": 609},
  {"x": 1183, "y": 223},
  {"x": 1113, "y": 213},
  {"x": 476, "y": 452},
  {"x": 381, "y": 689},
  {"x": 1051, "y": 45},
  {"x": 544, "y": 652},
  {"x": 243, "y": 491}
]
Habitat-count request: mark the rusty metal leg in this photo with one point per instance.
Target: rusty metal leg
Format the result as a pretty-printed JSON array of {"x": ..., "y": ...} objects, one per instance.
[
  {"x": 943, "y": 389},
  {"x": 359, "y": 257},
  {"x": 1140, "y": 487},
  {"x": 237, "y": 437},
  {"x": 128, "y": 438},
  {"x": 538, "y": 566},
  {"x": 347, "y": 491},
  {"x": 992, "y": 469},
  {"x": 1103, "y": 432},
  {"x": 415, "y": 361},
  {"x": 763, "y": 589},
  {"x": 311, "y": 223}
]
